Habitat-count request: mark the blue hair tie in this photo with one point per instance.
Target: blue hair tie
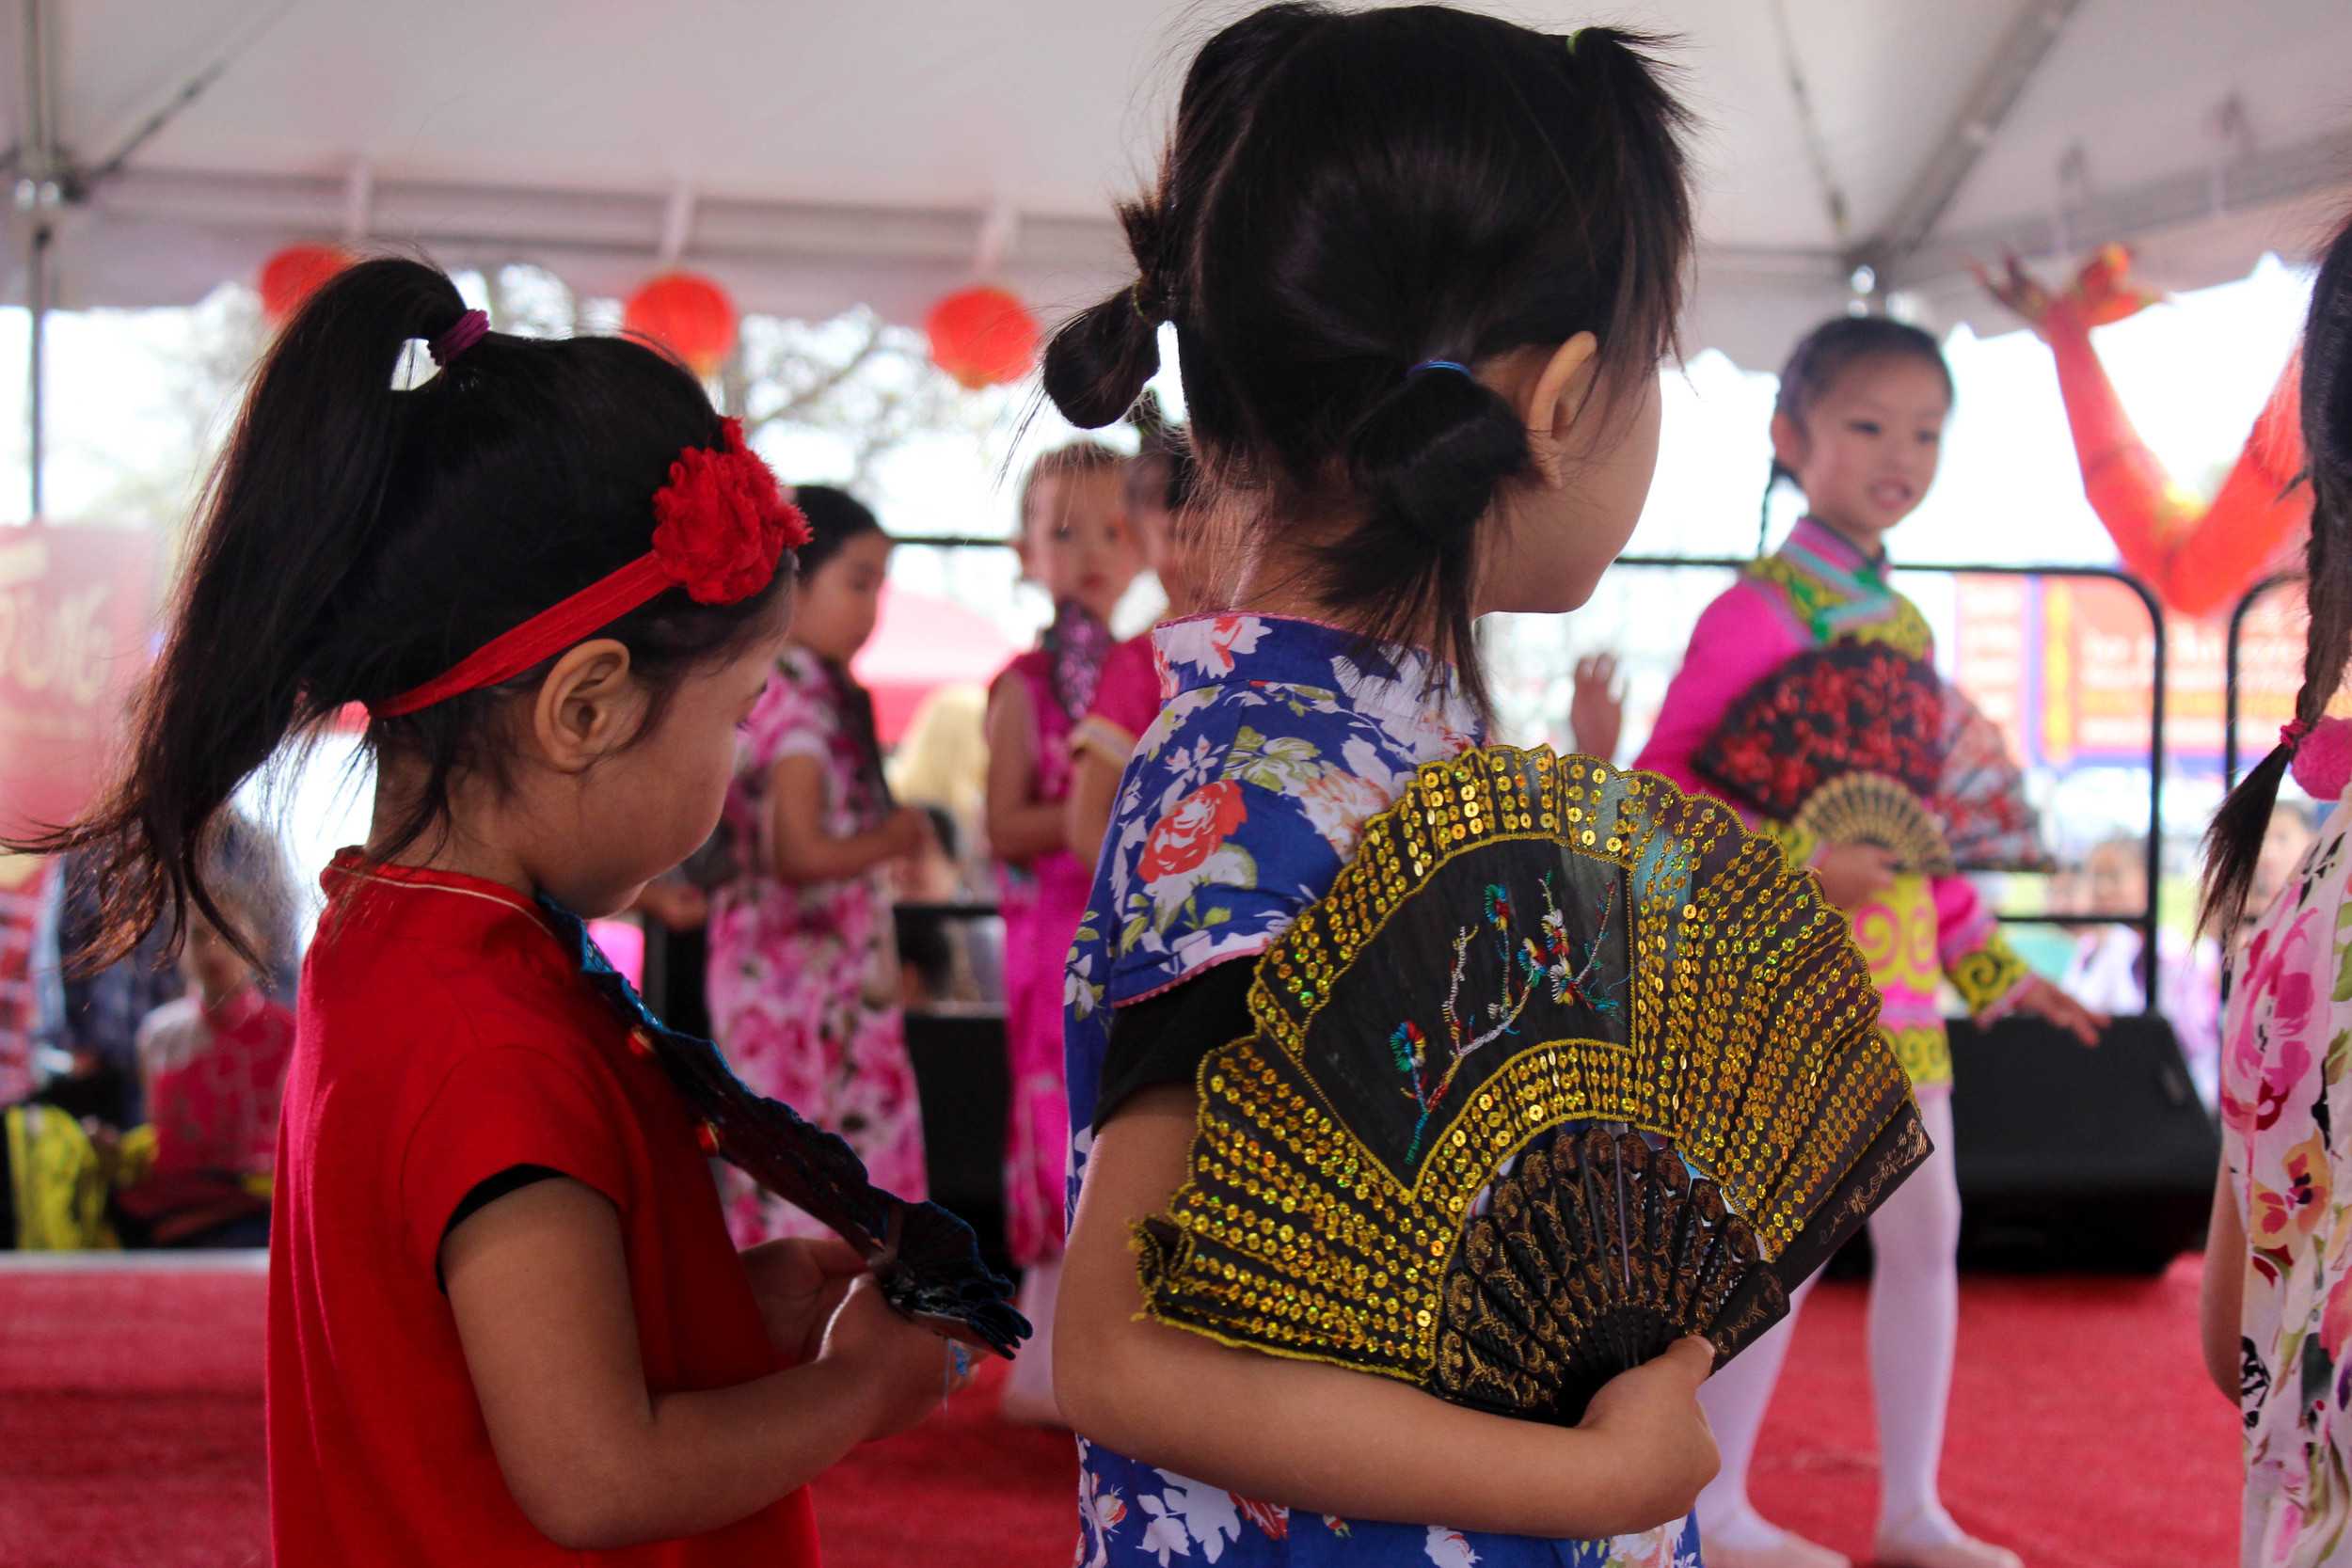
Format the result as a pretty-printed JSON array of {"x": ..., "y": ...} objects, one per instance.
[{"x": 1454, "y": 366}]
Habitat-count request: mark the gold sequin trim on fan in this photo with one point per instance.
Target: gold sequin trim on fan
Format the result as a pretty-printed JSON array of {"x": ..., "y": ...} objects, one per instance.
[{"x": 1750, "y": 1043}]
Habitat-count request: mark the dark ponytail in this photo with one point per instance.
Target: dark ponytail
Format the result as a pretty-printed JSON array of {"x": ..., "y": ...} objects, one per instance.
[
  {"x": 1350, "y": 197},
  {"x": 357, "y": 538},
  {"x": 1824, "y": 355},
  {"x": 2234, "y": 844},
  {"x": 1097, "y": 364}
]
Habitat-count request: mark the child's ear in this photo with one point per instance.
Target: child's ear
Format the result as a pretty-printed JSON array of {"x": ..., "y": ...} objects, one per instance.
[
  {"x": 1555, "y": 400},
  {"x": 587, "y": 707},
  {"x": 1790, "y": 446}
]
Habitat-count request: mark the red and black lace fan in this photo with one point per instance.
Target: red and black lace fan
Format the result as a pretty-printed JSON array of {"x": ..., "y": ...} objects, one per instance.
[
  {"x": 1981, "y": 800},
  {"x": 1850, "y": 707}
]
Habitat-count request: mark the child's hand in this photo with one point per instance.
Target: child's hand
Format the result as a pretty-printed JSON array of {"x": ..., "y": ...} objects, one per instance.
[
  {"x": 1655, "y": 1428},
  {"x": 1851, "y": 873},
  {"x": 799, "y": 1284},
  {"x": 679, "y": 906},
  {"x": 2045, "y": 1001},
  {"x": 906, "y": 1370},
  {"x": 1597, "y": 708},
  {"x": 908, "y": 832}
]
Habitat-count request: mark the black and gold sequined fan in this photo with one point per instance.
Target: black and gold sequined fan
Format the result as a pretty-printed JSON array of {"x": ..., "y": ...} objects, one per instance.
[
  {"x": 1565, "y": 1065},
  {"x": 1872, "y": 808}
]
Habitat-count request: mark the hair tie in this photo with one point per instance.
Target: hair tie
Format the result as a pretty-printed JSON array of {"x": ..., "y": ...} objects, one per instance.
[
  {"x": 459, "y": 335},
  {"x": 2322, "y": 755},
  {"x": 1456, "y": 366}
]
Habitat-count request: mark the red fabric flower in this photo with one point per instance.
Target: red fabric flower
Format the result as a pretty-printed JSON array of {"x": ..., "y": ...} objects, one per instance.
[
  {"x": 721, "y": 521},
  {"x": 1191, "y": 832}
]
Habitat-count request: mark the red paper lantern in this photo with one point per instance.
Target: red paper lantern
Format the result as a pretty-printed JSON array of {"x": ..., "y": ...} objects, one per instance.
[
  {"x": 688, "y": 315},
  {"x": 294, "y": 274},
  {"x": 983, "y": 337}
]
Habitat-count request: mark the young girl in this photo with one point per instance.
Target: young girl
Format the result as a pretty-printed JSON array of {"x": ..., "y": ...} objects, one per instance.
[
  {"x": 1127, "y": 698},
  {"x": 804, "y": 978},
  {"x": 1075, "y": 543},
  {"x": 213, "y": 1064},
  {"x": 2279, "y": 1256},
  {"x": 505, "y": 1320},
  {"x": 1861, "y": 412},
  {"x": 1422, "y": 265}
]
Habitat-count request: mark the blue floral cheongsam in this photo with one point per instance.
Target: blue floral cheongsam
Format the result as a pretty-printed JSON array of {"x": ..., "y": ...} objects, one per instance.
[{"x": 1241, "y": 803}]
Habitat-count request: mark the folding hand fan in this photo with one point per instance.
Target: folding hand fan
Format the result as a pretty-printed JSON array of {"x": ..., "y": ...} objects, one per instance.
[
  {"x": 1872, "y": 808},
  {"x": 1844, "y": 708},
  {"x": 1982, "y": 795},
  {"x": 1563, "y": 1066},
  {"x": 927, "y": 1260}
]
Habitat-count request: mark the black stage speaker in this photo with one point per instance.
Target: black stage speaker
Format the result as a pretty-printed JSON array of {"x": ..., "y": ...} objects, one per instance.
[
  {"x": 960, "y": 1073},
  {"x": 2079, "y": 1159}
]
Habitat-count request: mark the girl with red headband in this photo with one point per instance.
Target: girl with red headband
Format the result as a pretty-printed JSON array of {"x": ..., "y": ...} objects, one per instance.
[{"x": 506, "y": 1323}]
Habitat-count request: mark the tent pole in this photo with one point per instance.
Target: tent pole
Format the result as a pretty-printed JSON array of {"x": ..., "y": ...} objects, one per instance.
[
  {"x": 37, "y": 197},
  {"x": 36, "y": 420}
]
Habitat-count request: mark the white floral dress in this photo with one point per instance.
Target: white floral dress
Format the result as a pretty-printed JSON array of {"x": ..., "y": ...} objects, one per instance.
[
  {"x": 1241, "y": 803},
  {"x": 2286, "y": 1105}
]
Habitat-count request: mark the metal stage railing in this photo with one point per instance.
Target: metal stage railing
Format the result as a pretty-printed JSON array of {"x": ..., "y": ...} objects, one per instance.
[{"x": 2146, "y": 919}]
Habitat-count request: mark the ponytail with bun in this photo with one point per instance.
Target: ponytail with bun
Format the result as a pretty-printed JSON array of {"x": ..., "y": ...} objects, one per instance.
[{"x": 1351, "y": 202}]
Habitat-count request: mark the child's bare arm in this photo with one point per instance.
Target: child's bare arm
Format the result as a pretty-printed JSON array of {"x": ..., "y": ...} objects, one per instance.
[
  {"x": 804, "y": 852},
  {"x": 1093, "y": 794},
  {"x": 2221, "y": 1297},
  {"x": 1021, "y": 827},
  {"x": 1316, "y": 1436},
  {"x": 539, "y": 1286}
]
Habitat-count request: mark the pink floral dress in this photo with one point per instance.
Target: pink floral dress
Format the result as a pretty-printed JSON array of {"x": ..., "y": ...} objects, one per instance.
[
  {"x": 2286, "y": 1100},
  {"x": 804, "y": 978}
]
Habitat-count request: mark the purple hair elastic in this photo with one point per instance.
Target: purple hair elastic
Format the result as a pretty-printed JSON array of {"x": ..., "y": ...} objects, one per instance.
[{"x": 459, "y": 335}]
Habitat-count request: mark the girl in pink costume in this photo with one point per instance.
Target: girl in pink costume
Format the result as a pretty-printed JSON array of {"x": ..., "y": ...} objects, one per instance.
[
  {"x": 1075, "y": 543},
  {"x": 1159, "y": 487},
  {"x": 1860, "y": 417}
]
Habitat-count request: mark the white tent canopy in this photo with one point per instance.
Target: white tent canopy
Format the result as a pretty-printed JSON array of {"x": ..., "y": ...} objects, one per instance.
[{"x": 814, "y": 157}]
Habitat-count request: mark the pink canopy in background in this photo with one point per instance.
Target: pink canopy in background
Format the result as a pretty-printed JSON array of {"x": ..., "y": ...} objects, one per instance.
[{"x": 924, "y": 642}]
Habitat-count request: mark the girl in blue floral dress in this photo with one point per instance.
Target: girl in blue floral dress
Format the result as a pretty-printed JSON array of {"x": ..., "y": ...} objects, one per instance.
[{"x": 1422, "y": 266}]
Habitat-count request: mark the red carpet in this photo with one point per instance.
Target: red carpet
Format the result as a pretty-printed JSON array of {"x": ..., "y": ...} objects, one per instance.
[{"x": 2082, "y": 1434}]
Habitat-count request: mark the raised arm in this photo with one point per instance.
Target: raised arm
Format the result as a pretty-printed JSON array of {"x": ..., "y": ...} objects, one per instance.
[{"x": 2195, "y": 554}]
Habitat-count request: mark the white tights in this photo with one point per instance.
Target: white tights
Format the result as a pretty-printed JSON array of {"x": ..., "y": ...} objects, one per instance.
[{"x": 1915, "y": 1322}]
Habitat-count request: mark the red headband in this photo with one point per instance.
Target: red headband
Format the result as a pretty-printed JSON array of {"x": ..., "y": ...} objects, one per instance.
[{"x": 721, "y": 524}]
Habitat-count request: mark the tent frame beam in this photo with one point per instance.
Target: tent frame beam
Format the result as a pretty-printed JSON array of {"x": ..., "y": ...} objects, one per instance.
[
  {"x": 2278, "y": 177},
  {"x": 38, "y": 193},
  {"x": 2015, "y": 61}
]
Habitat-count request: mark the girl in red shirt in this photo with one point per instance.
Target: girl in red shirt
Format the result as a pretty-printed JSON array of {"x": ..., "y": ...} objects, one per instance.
[{"x": 506, "y": 1323}]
